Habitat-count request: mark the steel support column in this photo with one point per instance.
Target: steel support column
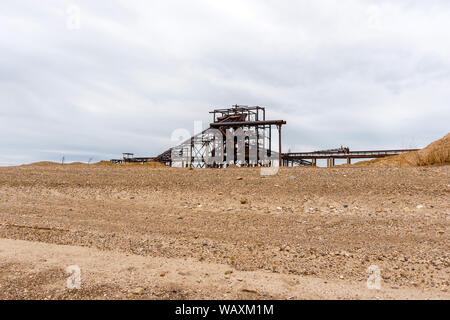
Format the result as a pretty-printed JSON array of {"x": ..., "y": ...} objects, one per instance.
[{"x": 279, "y": 145}]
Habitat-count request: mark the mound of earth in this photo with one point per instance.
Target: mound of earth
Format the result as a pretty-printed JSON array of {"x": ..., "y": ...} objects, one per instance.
[
  {"x": 435, "y": 154},
  {"x": 150, "y": 164},
  {"x": 51, "y": 163},
  {"x": 42, "y": 163}
]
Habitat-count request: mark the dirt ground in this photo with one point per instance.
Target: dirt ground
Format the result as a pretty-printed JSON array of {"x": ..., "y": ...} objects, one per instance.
[{"x": 139, "y": 232}]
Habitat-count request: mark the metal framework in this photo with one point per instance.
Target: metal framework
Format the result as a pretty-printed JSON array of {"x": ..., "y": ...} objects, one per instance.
[
  {"x": 128, "y": 157},
  {"x": 292, "y": 158},
  {"x": 197, "y": 150}
]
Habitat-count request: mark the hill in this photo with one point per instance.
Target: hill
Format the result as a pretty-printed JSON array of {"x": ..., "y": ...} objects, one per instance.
[{"x": 436, "y": 153}]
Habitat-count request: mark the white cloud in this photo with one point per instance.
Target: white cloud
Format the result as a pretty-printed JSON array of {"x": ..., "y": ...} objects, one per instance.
[{"x": 358, "y": 73}]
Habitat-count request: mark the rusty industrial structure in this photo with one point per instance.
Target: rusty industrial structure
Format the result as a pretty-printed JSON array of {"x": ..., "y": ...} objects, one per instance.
[
  {"x": 200, "y": 148},
  {"x": 209, "y": 148}
]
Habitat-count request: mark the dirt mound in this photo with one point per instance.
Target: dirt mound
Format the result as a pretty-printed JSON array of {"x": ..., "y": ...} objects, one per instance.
[
  {"x": 100, "y": 163},
  {"x": 43, "y": 163},
  {"x": 435, "y": 154},
  {"x": 104, "y": 163},
  {"x": 154, "y": 164},
  {"x": 148, "y": 164},
  {"x": 51, "y": 163},
  {"x": 77, "y": 163}
]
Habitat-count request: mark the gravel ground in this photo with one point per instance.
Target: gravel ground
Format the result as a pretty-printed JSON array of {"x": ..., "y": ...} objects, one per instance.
[{"x": 224, "y": 233}]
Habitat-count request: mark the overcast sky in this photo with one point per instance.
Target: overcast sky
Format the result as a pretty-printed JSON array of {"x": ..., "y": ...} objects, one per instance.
[{"x": 96, "y": 78}]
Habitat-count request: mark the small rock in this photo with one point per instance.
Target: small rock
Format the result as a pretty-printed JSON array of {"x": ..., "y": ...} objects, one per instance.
[
  {"x": 229, "y": 272},
  {"x": 248, "y": 290},
  {"x": 378, "y": 210},
  {"x": 137, "y": 291},
  {"x": 345, "y": 205},
  {"x": 239, "y": 178},
  {"x": 420, "y": 206},
  {"x": 243, "y": 201}
]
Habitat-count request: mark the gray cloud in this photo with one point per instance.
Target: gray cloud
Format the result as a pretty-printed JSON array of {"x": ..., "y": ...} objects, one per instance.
[{"x": 367, "y": 74}]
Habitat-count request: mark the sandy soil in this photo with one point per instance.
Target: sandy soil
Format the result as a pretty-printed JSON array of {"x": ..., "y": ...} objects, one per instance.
[{"x": 141, "y": 232}]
